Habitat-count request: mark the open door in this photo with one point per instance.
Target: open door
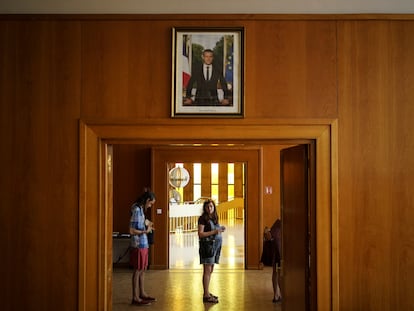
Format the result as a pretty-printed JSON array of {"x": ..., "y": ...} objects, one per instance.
[
  {"x": 297, "y": 281},
  {"x": 108, "y": 190}
]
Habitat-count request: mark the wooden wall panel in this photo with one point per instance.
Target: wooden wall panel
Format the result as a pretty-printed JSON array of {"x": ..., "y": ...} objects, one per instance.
[
  {"x": 56, "y": 70},
  {"x": 271, "y": 178},
  {"x": 206, "y": 180},
  {"x": 39, "y": 108},
  {"x": 188, "y": 190},
  {"x": 291, "y": 69},
  {"x": 132, "y": 173},
  {"x": 239, "y": 180},
  {"x": 222, "y": 180},
  {"x": 376, "y": 78},
  {"x": 126, "y": 69}
]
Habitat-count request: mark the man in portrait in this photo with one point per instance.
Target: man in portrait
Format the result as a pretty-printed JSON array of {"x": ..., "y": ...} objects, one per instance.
[{"x": 207, "y": 85}]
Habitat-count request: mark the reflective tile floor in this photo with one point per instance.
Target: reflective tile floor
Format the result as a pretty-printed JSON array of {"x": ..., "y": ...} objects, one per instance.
[
  {"x": 181, "y": 290},
  {"x": 184, "y": 248}
]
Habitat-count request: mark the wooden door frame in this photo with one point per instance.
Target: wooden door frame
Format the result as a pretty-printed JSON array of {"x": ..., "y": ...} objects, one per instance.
[
  {"x": 94, "y": 238},
  {"x": 250, "y": 155}
]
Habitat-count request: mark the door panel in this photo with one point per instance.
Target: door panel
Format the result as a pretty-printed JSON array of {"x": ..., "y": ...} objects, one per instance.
[
  {"x": 108, "y": 184},
  {"x": 294, "y": 210}
]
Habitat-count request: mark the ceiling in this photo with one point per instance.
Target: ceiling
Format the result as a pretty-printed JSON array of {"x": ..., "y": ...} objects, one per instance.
[{"x": 204, "y": 7}]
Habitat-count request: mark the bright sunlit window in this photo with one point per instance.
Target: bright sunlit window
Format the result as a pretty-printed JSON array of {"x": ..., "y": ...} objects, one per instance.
[
  {"x": 197, "y": 180},
  {"x": 230, "y": 181},
  {"x": 215, "y": 182}
]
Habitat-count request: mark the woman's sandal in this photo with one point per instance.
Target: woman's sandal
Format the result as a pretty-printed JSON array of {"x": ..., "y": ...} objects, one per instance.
[
  {"x": 210, "y": 299},
  {"x": 211, "y": 295}
]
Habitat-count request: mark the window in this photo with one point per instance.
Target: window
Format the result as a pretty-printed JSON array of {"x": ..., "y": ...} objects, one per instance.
[{"x": 230, "y": 181}]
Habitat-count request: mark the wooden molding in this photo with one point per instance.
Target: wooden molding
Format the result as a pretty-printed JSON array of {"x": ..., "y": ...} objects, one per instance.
[{"x": 93, "y": 235}]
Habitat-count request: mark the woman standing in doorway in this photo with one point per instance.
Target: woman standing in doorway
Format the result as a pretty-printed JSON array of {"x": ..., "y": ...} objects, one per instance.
[
  {"x": 209, "y": 227},
  {"x": 276, "y": 233},
  {"x": 139, "y": 247}
]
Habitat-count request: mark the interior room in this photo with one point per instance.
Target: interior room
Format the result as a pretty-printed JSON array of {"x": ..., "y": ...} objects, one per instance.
[
  {"x": 188, "y": 184},
  {"x": 304, "y": 113}
]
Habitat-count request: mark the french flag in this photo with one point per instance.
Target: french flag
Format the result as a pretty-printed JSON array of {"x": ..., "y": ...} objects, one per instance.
[{"x": 186, "y": 59}]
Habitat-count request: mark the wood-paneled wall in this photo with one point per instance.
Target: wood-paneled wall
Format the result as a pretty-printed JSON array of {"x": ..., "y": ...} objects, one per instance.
[
  {"x": 132, "y": 174},
  {"x": 376, "y": 142},
  {"x": 57, "y": 70}
]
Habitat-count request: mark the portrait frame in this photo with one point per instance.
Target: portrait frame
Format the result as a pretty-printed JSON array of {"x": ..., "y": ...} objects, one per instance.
[{"x": 193, "y": 93}]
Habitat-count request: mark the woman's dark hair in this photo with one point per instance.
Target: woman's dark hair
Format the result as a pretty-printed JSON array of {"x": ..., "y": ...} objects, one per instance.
[
  {"x": 206, "y": 215},
  {"x": 143, "y": 198},
  {"x": 275, "y": 230}
]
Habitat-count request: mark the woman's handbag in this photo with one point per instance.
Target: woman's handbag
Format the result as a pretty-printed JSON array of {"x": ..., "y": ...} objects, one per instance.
[
  {"x": 207, "y": 246},
  {"x": 150, "y": 237}
]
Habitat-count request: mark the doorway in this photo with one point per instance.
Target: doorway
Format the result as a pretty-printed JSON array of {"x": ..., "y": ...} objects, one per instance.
[
  {"x": 190, "y": 184},
  {"x": 95, "y": 239},
  {"x": 185, "y": 188},
  {"x": 246, "y": 201}
]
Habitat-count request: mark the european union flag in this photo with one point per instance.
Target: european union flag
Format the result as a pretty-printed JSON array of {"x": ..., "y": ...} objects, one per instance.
[{"x": 229, "y": 67}]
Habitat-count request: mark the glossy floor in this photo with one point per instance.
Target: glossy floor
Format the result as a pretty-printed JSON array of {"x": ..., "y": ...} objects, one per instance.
[
  {"x": 184, "y": 248},
  {"x": 181, "y": 290}
]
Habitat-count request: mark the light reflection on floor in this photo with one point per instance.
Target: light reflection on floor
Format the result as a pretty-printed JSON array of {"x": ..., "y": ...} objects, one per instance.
[
  {"x": 180, "y": 288},
  {"x": 184, "y": 248}
]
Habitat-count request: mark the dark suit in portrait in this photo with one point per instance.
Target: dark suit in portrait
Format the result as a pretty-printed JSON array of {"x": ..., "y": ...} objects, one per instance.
[{"x": 211, "y": 91}]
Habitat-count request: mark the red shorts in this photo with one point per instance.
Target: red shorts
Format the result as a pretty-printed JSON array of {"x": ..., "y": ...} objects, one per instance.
[{"x": 138, "y": 258}]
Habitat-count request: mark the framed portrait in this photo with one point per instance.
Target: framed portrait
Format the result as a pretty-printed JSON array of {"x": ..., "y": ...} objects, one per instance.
[{"x": 207, "y": 72}]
